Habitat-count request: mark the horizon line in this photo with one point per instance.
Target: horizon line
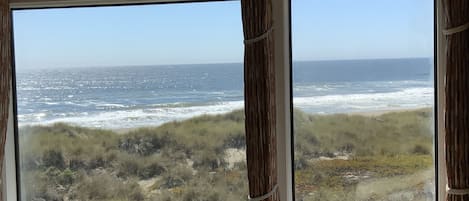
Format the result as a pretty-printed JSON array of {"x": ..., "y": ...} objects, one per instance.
[{"x": 215, "y": 63}]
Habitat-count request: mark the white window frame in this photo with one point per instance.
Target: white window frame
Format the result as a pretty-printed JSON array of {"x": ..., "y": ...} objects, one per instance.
[
  {"x": 9, "y": 165},
  {"x": 440, "y": 72},
  {"x": 283, "y": 62}
]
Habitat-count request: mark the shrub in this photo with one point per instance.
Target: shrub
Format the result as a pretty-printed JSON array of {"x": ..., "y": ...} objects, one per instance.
[
  {"x": 176, "y": 177},
  {"x": 104, "y": 186},
  {"x": 67, "y": 177},
  {"x": 237, "y": 141},
  {"x": 421, "y": 150},
  {"x": 208, "y": 160},
  {"x": 128, "y": 165},
  {"x": 53, "y": 158},
  {"x": 152, "y": 169},
  {"x": 300, "y": 162},
  {"x": 76, "y": 164},
  {"x": 199, "y": 194}
]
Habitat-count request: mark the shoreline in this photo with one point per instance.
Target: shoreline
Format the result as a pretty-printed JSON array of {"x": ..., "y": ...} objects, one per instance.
[
  {"x": 368, "y": 113},
  {"x": 374, "y": 113}
]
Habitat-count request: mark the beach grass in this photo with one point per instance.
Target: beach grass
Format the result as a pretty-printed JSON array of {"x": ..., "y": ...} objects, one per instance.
[{"x": 336, "y": 157}]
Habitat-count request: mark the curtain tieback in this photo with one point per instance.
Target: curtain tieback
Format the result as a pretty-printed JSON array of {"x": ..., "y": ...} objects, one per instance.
[
  {"x": 265, "y": 196},
  {"x": 453, "y": 191},
  {"x": 260, "y": 37},
  {"x": 457, "y": 29}
]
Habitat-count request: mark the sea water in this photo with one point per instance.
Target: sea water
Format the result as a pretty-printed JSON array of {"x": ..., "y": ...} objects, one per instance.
[{"x": 134, "y": 96}]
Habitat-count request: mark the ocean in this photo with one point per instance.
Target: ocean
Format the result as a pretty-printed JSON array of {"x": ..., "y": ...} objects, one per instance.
[{"x": 134, "y": 96}]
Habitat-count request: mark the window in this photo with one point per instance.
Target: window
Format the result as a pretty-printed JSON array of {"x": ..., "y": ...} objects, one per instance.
[
  {"x": 311, "y": 31},
  {"x": 363, "y": 97},
  {"x": 132, "y": 103}
]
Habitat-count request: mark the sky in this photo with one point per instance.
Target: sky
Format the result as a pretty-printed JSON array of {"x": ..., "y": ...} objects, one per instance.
[{"x": 211, "y": 32}]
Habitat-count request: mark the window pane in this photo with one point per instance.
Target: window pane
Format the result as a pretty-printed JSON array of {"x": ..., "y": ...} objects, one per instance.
[
  {"x": 131, "y": 103},
  {"x": 363, "y": 97}
]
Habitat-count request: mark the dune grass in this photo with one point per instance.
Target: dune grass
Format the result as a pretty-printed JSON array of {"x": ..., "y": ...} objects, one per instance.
[{"x": 186, "y": 160}]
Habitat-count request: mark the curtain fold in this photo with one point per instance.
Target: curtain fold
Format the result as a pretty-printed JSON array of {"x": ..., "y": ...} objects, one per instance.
[
  {"x": 5, "y": 80},
  {"x": 259, "y": 92},
  {"x": 456, "y": 14}
]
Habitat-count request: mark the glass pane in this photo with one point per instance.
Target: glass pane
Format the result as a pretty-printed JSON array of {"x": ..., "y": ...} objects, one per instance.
[
  {"x": 363, "y": 97},
  {"x": 131, "y": 103}
]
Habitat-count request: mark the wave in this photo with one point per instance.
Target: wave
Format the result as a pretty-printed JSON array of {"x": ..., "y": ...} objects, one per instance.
[
  {"x": 110, "y": 106},
  {"x": 407, "y": 98},
  {"x": 157, "y": 114},
  {"x": 141, "y": 117}
]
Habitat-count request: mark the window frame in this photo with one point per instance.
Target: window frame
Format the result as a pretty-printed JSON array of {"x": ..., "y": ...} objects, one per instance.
[
  {"x": 283, "y": 65},
  {"x": 281, "y": 10},
  {"x": 439, "y": 74}
]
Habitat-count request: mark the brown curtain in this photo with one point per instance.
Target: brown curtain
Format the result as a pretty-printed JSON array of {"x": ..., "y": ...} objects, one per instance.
[
  {"x": 456, "y": 14},
  {"x": 5, "y": 79},
  {"x": 259, "y": 91}
]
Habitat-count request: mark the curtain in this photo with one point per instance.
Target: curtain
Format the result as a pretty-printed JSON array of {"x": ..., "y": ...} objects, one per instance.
[
  {"x": 259, "y": 92},
  {"x": 456, "y": 14},
  {"x": 5, "y": 79}
]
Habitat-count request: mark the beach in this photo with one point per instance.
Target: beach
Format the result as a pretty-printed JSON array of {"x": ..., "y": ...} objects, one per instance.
[
  {"x": 136, "y": 96},
  {"x": 162, "y": 133},
  {"x": 180, "y": 158}
]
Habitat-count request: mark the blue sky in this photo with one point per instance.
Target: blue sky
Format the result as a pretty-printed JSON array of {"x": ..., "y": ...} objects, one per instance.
[{"x": 212, "y": 33}]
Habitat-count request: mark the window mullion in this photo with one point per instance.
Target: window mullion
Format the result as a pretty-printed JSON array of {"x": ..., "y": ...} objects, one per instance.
[
  {"x": 281, "y": 13},
  {"x": 440, "y": 102}
]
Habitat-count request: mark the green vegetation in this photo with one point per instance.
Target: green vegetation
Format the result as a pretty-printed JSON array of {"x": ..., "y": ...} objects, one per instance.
[{"x": 336, "y": 157}]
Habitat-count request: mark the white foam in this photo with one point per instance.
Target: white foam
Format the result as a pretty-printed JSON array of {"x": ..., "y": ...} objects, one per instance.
[
  {"x": 51, "y": 103},
  {"x": 407, "y": 98},
  {"x": 144, "y": 117},
  {"x": 131, "y": 117},
  {"x": 110, "y": 105}
]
